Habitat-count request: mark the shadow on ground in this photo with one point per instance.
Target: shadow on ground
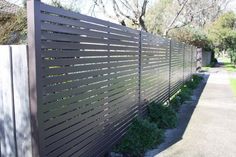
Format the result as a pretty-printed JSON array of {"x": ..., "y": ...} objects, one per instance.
[{"x": 184, "y": 116}]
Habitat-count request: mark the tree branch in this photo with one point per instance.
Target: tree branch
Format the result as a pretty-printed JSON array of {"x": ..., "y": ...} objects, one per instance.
[
  {"x": 175, "y": 18},
  {"x": 124, "y": 10},
  {"x": 117, "y": 9},
  {"x": 143, "y": 12}
]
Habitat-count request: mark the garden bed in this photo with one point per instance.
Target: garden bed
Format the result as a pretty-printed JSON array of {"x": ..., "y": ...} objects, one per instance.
[{"x": 148, "y": 133}]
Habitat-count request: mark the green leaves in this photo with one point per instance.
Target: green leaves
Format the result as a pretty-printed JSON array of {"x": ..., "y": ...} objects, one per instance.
[
  {"x": 147, "y": 133},
  {"x": 175, "y": 103},
  {"x": 165, "y": 117},
  {"x": 141, "y": 136},
  {"x": 222, "y": 32}
]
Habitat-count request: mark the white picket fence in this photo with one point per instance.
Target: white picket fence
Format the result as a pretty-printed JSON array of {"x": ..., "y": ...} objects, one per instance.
[{"x": 15, "y": 130}]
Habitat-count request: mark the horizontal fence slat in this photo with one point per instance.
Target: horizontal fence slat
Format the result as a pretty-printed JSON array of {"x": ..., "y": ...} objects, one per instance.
[{"x": 96, "y": 77}]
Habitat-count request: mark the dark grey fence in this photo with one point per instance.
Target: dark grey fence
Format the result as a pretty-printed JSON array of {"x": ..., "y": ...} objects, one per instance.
[{"x": 89, "y": 78}]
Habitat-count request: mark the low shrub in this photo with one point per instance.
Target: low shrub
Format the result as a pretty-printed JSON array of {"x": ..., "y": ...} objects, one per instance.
[
  {"x": 197, "y": 78},
  {"x": 165, "y": 117},
  {"x": 141, "y": 136},
  {"x": 145, "y": 134},
  {"x": 175, "y": 103},
  {"x": 185, "y": 93},
  {"x": 193, "y": 83}
]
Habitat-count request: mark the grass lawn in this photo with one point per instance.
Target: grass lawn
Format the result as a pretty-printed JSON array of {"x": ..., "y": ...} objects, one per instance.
[
  {"x": 228, "y": 66},
  {"x": 205, "y": 68},
  {"x": 233, "y": 85}
]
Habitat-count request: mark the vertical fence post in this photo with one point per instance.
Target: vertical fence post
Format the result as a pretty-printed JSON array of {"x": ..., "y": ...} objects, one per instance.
[
  {"x": 170, "y": 69},
  {"x": 183, "y": 48},
  {"x": 139, "y": 74},
  {"x": 33, "y": 14},
  {"x": 191, "y": 60}
]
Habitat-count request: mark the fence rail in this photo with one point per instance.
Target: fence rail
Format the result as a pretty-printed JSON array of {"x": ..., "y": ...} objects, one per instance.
[
  {"x": 89, "y": 78},
  {"x": 94, "y": 77}
]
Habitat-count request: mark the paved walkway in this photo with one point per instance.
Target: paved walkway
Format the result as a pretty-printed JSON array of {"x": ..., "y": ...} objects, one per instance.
[{"x": 211, "y": 131}]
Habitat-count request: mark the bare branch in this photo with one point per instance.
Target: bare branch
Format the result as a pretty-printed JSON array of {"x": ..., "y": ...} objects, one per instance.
[
  {"x": 174, "y": 19},
  {"x": 117, "y": 11},
  {"x": 116, "y": 8},
  {"x": 101, "y": 5},
  {"x": 92, "y": 8},
  {"x": 124, "y": 10},
  {"x": 190, "y": 20},
  {"x": 143, "y": 12},
  {"x": 145, "y": 2}
]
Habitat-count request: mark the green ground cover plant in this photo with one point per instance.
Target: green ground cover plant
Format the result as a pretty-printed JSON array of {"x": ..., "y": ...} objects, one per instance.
[
  {"x": 175, "y": 103},
  {"x": 141, "y": 136},
  {"x": 185, "y": 92},
  {"x": 144, "y": 134},
  {"x": 164, "y": 116},
  {"x": 193, "y": 83}
]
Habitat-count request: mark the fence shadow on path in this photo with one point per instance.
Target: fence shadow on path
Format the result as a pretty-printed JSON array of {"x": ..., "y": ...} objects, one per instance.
[{"x": 175, "y": 135}]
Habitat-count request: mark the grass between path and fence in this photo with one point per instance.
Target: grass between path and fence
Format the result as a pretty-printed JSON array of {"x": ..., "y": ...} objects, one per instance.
[
  {"x": 148, "y": 133},
  {"x": 207, "y": 68}
]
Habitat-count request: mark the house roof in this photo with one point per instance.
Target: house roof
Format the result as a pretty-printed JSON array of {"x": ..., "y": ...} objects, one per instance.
[{"x": 8, "y": 8}]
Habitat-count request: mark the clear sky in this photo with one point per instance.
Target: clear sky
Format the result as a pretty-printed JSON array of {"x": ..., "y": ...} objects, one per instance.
[
  {"x": 85, "y": 6},
  {"x": 232, "y": 5}
]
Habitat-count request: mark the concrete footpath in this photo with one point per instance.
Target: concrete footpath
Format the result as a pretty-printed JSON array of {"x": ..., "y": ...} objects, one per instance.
[{"x": 211, "y": 131}]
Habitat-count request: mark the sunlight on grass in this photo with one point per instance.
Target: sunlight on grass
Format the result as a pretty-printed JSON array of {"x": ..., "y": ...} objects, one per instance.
[
  {"x": 205, "y": 68},
  {"x": 233, "y": 85},
  {"x": 228, "y": 66}
]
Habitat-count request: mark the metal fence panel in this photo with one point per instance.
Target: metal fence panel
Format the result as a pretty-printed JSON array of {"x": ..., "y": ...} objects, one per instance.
[
  {"x": 177, "y": 66},
  {"x": 90, "y": 78},
  {"x": 187, "y": 62},
  {"x": 89, "y": 81},
  {"x": 155, "y": 68}
]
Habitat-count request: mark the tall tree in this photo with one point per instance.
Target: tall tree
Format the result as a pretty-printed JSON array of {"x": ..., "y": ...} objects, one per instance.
[
  {"x": 222, "y": 32},
  {"x": 181, "y": 13},
  {"x": 125, "y": 10}
]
